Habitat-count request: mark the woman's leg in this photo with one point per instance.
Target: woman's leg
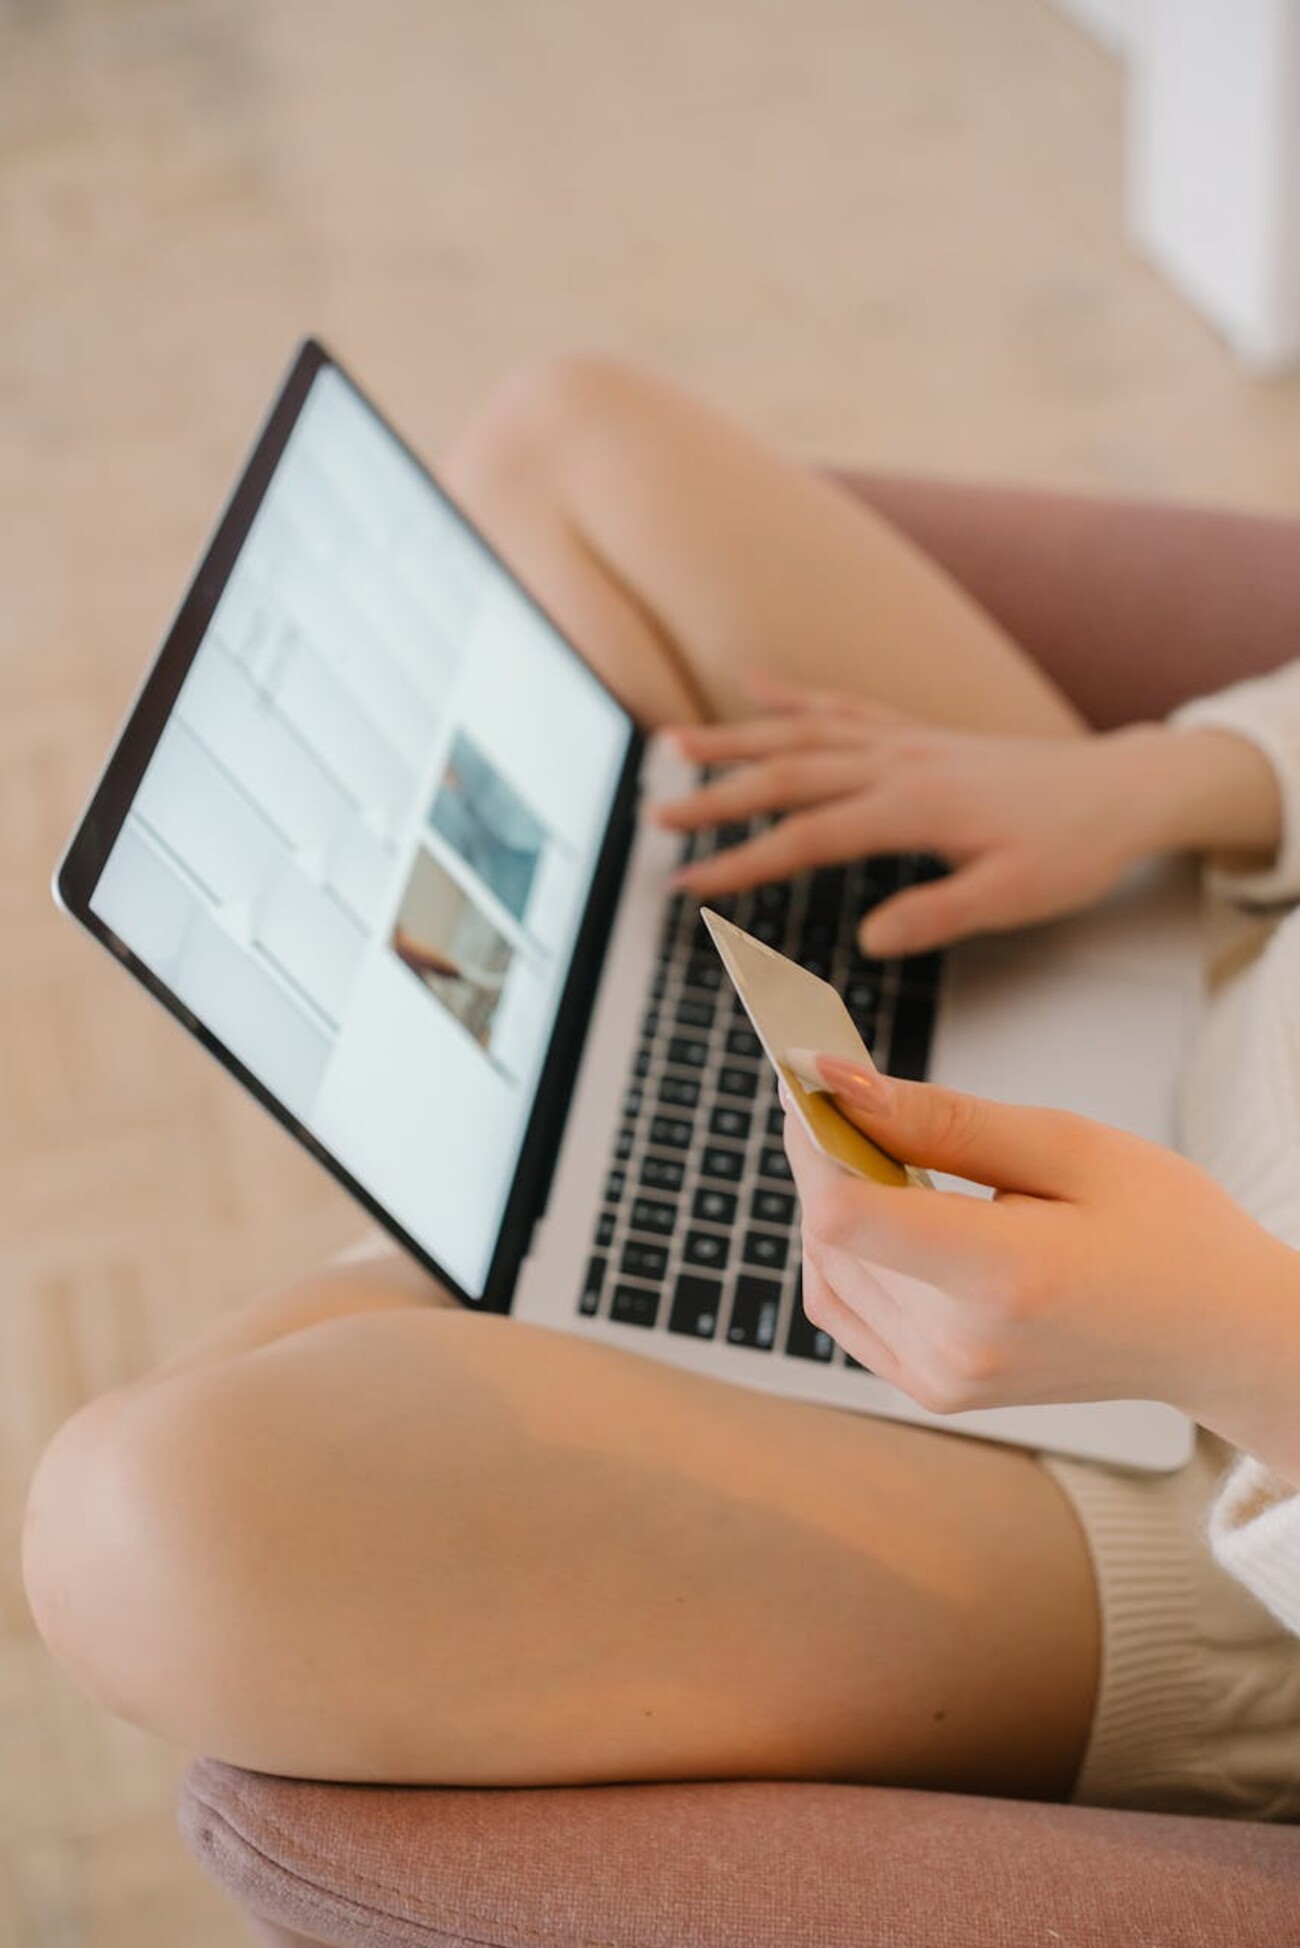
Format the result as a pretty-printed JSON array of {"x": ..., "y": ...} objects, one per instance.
[
  {"x": 357, "y": 1536},
  {"x": 411, "y": 1543},
  {"x": 675, "y": 549}
]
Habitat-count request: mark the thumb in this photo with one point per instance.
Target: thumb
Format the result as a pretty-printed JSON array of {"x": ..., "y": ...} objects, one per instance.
[
  {"x": 1042, "y": 1152},
  {"x": 911, "y": 922}
]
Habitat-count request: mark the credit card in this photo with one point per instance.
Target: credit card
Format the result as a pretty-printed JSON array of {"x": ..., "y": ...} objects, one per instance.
[{"x": 793, "y": 1009}]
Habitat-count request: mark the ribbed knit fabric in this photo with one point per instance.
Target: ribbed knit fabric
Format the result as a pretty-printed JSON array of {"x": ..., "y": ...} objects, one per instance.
[
  {"x": 1266, "y": 711},
  {"x": 1153, "y": 1694}
]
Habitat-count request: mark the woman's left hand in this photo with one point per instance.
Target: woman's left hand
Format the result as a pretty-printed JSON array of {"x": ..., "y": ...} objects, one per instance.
[{"x": 1105, "y": 1267}]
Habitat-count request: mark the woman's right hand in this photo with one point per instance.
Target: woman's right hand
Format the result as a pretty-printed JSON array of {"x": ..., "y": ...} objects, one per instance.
[{"x": 1032, "y": 827}]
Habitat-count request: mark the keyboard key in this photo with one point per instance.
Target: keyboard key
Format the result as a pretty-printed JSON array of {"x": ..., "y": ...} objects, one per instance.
[
  {"x": 826, "y": 893},
  {"x": 650, "y": 1025},
  {"x": 672, "y": 1132},
  {"x": 682, "y": 1091},
  {"x": 862, "y": 998},
  {"x": 776, "y": 1121},
  {"x": 766, "y": 1248},
  {"x": 634, "y": 1305},
  {"x": 717, "y": 1161},
  {"x": 818, "y": 964},
  {"x": 641, "y": 1067},
  {"x": 774, "y": 898},
  {"x": 687, "y": 1052},
  {"x": 704, "y": 971},
  {"x": 605, "y": 1228},
  {"x": 773, "y": 1163},
  {"x": 591, "y": 1285},
  {"x": 729, "y": 1121},
  {"x": 910, "y": 1033},
  {"x": 804, "y": 1341},
  {"x": 653, "y": 1214},
  {"x": 623, "y": 1144},
  {"x": 923, "y": 866},
  {"x": 922, "y": 970},
  {"x": 887, "y": 869},
  {"x": 856, "y": 1365},
  {"x": 614, "y": 1183},
  {"x": 662, "y": 1173},
  {"x": 754, "y": 1313},
  {"x": 695, "y": 1306},
  {"x": 743, "y": 1041},
  {"x": 716, "y": 1206},
  {"x": 701, "y": 941},
  {"x": 642, "y": 1260},
  {"x": 769, "y": 928},
  {"x": 773, "y": 1206},
  {"x": 705, "y": 1248},
  {"x": 738, "y": 1082},
  {"x": 693, "y": 1011},
  {"x": 632, "y": 1102}
]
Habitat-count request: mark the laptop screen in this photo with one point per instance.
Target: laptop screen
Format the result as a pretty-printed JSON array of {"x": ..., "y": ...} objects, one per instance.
[{"x": 362, "y": 847}]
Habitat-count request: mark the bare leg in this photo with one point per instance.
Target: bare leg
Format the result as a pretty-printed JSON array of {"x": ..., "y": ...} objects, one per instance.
[
  {"x": 675, "y": 549},
  {"x": 415, "y": 1544},
  {"x": 355, "y": 1535}
]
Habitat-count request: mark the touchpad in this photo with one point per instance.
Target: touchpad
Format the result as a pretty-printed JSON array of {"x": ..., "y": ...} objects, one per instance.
[{"x": 1093, "y": 1014}]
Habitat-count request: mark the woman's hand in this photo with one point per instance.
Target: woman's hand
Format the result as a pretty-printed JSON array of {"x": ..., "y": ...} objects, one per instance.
[
  {"x": 1033, "y": 827},
  {"x": 1104, "y": 1268}
]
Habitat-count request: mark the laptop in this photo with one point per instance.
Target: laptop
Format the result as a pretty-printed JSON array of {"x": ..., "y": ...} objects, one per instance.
[{"x": 371, "y": 832}]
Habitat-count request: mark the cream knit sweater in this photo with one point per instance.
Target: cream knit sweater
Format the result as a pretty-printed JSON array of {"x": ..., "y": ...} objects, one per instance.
[{"x": 1240, "y": 1108}]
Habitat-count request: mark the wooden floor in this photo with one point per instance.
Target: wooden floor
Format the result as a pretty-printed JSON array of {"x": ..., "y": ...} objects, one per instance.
[{"x": 874, "y": 230}]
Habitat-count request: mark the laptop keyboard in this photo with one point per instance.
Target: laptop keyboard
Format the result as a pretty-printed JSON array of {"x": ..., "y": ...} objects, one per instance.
[{"x": 698, "y": 1230}]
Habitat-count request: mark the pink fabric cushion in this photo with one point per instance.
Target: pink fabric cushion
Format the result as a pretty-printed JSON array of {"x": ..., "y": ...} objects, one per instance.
[
  {"x": 749, "y": 1864},
  {"x": 1130, "y": 606}
]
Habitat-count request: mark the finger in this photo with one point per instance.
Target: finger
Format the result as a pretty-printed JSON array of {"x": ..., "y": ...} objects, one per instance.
[
  {"x": 805, "y": 839},
  {"x": 761, "y": 737},
  {"x": 977, "y": 898},
  {"x": 853, "y": 1326},
  {"x": 769, "y": 785},
  {"x": 1039, "y": 1152},
  {"x": 957, "y": 1242}
]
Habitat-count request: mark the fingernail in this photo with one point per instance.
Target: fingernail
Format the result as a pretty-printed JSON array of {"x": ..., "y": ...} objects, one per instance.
[
  {"x": 802, "y": 1062},
  {"x": 866, "y": 1088}
]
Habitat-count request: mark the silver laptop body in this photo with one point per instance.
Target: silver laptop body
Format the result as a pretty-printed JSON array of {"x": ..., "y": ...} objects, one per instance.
[{"x": 1091, "y": 1014}]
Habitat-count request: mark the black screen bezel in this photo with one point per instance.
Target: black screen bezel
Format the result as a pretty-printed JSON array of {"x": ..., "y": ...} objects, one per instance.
[{"x": 86, "y": 854}]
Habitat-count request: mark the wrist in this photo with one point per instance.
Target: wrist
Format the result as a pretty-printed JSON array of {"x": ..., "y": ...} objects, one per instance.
[
  {"x": 1200, "y": 790},
  {"x": 1250, "y": 1387}
]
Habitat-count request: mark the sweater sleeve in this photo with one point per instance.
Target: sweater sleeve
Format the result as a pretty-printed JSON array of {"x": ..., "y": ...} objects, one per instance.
[
  {"x": 1254, "y": 1531},
  {"x": 1266, "y": 711}
]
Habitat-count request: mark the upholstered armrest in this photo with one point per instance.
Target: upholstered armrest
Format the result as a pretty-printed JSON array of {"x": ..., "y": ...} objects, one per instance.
[
  {"x": 1129, "y": 605},
  {"x": 752, "y": 1864}
]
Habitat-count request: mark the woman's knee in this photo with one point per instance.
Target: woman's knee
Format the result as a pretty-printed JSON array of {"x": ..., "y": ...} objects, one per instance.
[
  {"x": 535, "y": 418},
  {"x": 223, "y": 1554},
  {"x": 143, "y": 1551}
]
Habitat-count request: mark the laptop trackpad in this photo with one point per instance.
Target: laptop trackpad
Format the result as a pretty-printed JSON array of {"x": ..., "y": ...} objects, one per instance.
[{"x": 1092, "y": 1014}]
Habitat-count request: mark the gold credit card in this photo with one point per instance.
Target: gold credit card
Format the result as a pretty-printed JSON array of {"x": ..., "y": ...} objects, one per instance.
[{"x": 793, "y": 1009}]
